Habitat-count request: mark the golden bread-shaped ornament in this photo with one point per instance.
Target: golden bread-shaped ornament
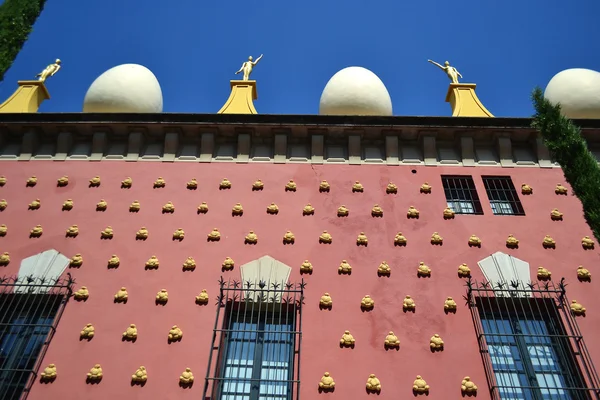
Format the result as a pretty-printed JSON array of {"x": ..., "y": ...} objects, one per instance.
[
  {"x": 168, "y": 208},
  {"x": 362, "y": 240},
  {"x": 130, "y": 333},
  {"x": 127, "y": 183},
  {"x": 62, "y": 181},
  {"x": 76, "y": 261},
  {"x": 102, "y": 205},
  {"x": 36, "y": 231},
  {"x": 203, "y": 208},
  {"x": 548, "y": 242},
  {"x": 450, "y": 305},
  {"x": 179, "y": 234},
  {"x": 175, "y": 334},
  {"x": 251, "y": 238},
  {"x": 326, "y": 301},
  {"x": 67, "y": 205},
  {"x": 324, "y": 186},
  {"x": 114, "y": 261},
  {"x": 4, "y": 259},
  {"x": 436, "y": 239},
  {"x": 162, "y": 297},
  {"x": 325, "y": 238},
  {"x": 159, "y": 183},
  {"x": 347, "y": 340},
  {"x": 121, "y": 295},
  {"x": 135, "y": 206},
  {"x": 560, "y": 189},
  {"x": 420, "y": 386},
  {"x": 87, "y": 332},
  {"x": 35, "y": 204},
  {"x": 192, "y": 184},
  {"x": 49, "y": 374},
  {"x": 228, "y": 264},
  {"x": 225, "y": 184},
  {"x": 345, "y": 268},
  {"x": 95, "y": 373},
  {"x": 32, "y": 181},
  {"x": 95, "y": 181},
  {"x": 306, "y": 267},
  {"x": 186, "y": 377},
  {"x": 326, "y": 383},
  {"x": 556, "y": 215},
  {"x": 258, "y": 185},
  {"x": 140, "y": 375},
  {"x": 373, "y": 384},
  {"x": 107, "y": 233},
  {"x": 72, "y": 231},
  {"x": 377, "y": 211},
  {"x": 81, "y": 294},
  {"x": 214, "y": 235},
  {"x": 357, "y": 187},
  {"x": 202, "y": 298},
  {"x": 464, "y": 271},
  {"x": 308, "y": 210},
  {"x": 290, "y": 186},
  {"x": 587, "y": 243}
]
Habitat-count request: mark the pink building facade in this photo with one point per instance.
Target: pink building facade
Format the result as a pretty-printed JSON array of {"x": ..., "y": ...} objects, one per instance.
[{"x": 262, "y": 331}]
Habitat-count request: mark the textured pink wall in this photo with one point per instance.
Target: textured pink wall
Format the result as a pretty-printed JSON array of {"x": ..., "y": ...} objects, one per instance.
[{"x": 321, "y": 329}]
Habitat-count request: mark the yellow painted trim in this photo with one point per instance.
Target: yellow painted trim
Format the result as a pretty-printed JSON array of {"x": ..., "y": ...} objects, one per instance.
[
  {"x": 464, "y": 101},
  {"x": 240, "y": 99},
  {"x": 27, "y": 98}
]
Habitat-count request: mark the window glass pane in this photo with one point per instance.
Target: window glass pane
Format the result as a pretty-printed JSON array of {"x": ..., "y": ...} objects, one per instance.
[
  {"x": 509, "y": 387},
  {"x": 499, "y": 207},
  {"x": 261, "y": 350},
  {"x": 522, "y": 352},
  {"x": 23, "y": 332}
]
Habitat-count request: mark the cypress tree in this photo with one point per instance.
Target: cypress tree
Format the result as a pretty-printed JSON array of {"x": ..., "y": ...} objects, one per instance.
[
  {"x": 16, "y": 23},
  {"x": 568, "y": 147}
]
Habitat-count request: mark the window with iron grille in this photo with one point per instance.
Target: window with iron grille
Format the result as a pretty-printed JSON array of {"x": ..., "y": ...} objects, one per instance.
[
  {"x": 530, "y": 342},
  {"x": 256, "y": 342},
  {"x": 504, "y": 199},
  {"x": 29, "y": 312},
  {"x": 461, "y": 194}
]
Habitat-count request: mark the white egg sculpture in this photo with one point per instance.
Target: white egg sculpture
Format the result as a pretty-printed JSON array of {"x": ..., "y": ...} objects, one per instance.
[
  {"x": 355, "y": 91},
  {"x": 127, "y": 88},
  {"x": 578, "y": 92}
]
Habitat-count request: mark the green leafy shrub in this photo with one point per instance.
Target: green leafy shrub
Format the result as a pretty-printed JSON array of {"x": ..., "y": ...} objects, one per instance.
[
  {"x": 568, "y": 147},
  {"x": 16, "y": 23}
]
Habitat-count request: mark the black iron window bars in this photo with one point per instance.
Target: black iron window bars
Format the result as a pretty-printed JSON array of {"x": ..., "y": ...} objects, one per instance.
[
  {"x": 256, "y": 342},
  {"x": 504, "y": 199},
  {"x": 30, "y": 309},
  {"x": 461, "y": 194},
  {"x": 530, "y": 343}
]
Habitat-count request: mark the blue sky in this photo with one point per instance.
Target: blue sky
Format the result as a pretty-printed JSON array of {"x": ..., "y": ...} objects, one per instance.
[{"x": 195, "y": 46}]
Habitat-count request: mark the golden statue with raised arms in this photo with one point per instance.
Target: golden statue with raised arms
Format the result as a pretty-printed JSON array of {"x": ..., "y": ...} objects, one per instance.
[
  {"x": 248, "y": 66},
  {"x": 50, "y": 70},
  {"x": 452, "y": 72}
]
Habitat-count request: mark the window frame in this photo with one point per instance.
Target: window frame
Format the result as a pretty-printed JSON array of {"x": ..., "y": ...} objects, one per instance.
[
  {"x": 526, "y": 305},
  {"x": 502, "y": 195},
  {"x": 38, "y": 303},
  {"x": 248, "y": 314},
  {"x": 263, "y": 304},
  {"x": 461, "y": 189}
]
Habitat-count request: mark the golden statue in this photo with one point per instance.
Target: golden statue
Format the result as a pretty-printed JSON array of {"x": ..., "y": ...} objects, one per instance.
[
  {"x": 248, "y": 66},
  {"x": 50, "y": 70},
  {"x": 452, "y": 72}
]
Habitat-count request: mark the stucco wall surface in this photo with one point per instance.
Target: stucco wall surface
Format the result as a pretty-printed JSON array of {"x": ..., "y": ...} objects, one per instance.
[{"x": 321, "y": 330}]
